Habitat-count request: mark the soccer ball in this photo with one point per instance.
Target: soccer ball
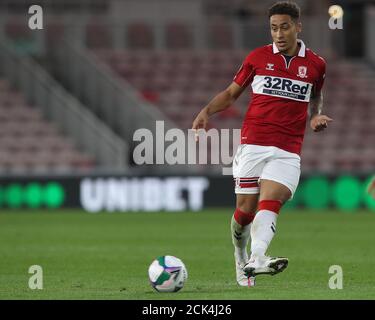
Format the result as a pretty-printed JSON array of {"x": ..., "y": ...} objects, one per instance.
[{"x": 167, "y": 274}]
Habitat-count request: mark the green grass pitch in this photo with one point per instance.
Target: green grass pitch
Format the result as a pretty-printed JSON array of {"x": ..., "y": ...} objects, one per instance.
[{"x": 106, "y": 255}]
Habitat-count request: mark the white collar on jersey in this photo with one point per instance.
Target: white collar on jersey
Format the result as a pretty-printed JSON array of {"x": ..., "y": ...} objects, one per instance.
[{"x": 301, "y": 52}]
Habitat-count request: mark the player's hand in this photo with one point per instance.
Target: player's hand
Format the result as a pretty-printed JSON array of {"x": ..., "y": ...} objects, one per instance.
[
  {"x": 319, "y": 122},
  {"x": 200, "y": 122},
  {"x": 371, "y": 188}
]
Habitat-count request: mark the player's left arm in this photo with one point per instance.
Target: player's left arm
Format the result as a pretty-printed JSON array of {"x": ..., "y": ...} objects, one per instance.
[{"x": 318, "y": 121}]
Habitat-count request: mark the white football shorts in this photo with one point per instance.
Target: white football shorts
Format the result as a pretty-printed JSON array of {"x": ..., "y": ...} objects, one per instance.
[{"x": 253, "y": 163}]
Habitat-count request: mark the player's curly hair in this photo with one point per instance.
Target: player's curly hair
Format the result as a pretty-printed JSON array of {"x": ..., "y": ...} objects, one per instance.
[{"x": 285, "y": 7}]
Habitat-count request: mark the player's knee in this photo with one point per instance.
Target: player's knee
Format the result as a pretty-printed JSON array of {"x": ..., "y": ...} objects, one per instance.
[
  {"x": 276, "y": 195},
  {"x": 247, "y": 203}
]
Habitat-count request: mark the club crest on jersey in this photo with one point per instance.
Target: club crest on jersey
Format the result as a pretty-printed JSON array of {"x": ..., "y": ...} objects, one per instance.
[
  {"x": 270, "y": 66},
  {"x": 302, "y": 72}
]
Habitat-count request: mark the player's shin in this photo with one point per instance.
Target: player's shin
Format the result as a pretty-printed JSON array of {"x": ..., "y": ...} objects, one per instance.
[
  {"x": 264, "y": 227},
  {"x": 240, "y": 229}
]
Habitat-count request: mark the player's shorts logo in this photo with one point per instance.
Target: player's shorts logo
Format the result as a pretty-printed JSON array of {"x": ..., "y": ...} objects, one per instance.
[
  {"x": 237, "y": 182},
  {"x": 302, "y": 72}
]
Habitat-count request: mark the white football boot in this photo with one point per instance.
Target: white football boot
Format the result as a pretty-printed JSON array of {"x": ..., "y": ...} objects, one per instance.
[
  {"x": 265, "y": 265},
  {"x": 242, "y": 279}
]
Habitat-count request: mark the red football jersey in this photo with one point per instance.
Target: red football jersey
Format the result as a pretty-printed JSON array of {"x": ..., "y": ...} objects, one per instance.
[{"x": 281, "y": 92}]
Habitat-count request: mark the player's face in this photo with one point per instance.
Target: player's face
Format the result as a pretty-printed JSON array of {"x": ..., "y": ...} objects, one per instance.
[{"x": 284, "y": 31}]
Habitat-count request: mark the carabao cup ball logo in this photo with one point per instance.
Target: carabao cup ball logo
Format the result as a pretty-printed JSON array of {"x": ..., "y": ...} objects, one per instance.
[{"x": 167, "y": 274}]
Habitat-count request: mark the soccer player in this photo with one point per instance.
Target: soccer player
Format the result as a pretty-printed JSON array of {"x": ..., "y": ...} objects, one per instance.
[{"x": 285, "y": 78}]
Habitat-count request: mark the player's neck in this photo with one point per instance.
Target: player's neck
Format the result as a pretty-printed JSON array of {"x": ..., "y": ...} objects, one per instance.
[{"x": 292, "y": 51}]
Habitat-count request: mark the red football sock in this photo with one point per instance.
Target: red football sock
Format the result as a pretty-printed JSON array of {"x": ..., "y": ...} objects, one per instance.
[{"x": 270, "y": 205}]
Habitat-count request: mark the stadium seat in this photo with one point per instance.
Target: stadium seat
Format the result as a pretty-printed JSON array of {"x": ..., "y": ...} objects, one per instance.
[
  {"x": 178, "y": 36},
  {"x": 221, "y": 35},
  {"x": 140, "y": 36},
  {"x": 30, "y": 143},
  {"x": 98, "y": 35}
]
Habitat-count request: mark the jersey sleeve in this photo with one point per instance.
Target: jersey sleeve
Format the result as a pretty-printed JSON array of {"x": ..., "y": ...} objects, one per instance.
[
  {"x": 322, "y": 74},
  {"x": 245, "y": 74}
]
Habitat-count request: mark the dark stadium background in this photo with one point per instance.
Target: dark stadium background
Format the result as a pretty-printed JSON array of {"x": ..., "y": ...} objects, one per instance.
[{"x": 73, "y": 94}]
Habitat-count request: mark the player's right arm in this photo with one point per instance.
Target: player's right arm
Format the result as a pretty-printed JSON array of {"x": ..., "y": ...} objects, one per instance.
[
  {"x": 226, "y": 98},
  {"x": 219, "y": 103}
]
